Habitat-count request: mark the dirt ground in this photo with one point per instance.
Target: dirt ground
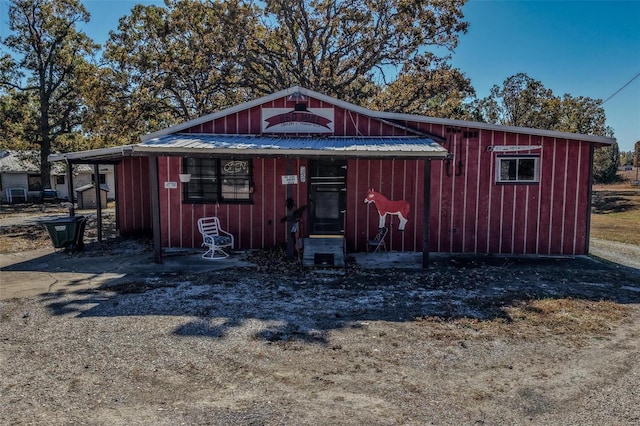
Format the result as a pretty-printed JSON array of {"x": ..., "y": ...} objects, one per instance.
[{"x": 469, "y": 341}]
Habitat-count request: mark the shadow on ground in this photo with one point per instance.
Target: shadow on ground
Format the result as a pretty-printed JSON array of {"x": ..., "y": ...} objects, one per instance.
[
  {"x": 286, "y": 303},
  {"x": 605, "y": 202}
]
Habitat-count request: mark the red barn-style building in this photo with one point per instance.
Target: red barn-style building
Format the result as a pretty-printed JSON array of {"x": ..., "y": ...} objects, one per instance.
[{"x": 471, "y": 187}]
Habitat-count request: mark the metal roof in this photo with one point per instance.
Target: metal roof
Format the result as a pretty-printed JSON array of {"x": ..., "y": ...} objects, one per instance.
[
  {"x": 27, "y": 162},
  {"x": 103, "y": 187},
  {"x": 19, "y": 162},
  {"x": 271, "y": 145}
]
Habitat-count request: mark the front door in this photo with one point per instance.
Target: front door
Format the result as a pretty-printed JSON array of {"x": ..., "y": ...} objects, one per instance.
[{"x": 327, "y": 197}]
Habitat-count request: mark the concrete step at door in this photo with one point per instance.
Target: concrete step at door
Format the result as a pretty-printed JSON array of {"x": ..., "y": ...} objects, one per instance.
[{"x": 323, "y": 252}]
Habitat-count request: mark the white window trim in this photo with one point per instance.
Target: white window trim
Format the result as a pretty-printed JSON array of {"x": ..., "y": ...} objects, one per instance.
[{"x": 536, "y": 169}]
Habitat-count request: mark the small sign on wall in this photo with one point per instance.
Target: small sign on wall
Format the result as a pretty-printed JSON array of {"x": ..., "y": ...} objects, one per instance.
[
  {"x": 289, "y": 179},
  {"x": 299, "y": 120},
  {"x": 170, "y": 185}
]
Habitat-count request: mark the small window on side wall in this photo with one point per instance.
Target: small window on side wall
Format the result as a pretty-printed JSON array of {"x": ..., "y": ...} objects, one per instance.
[
  {"x": 520, "y": 169},
  {"x": 34, "y": 183},
  {"x": 218, "y": 181}
]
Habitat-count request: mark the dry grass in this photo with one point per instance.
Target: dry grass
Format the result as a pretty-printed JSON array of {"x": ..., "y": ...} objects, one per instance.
[
  {"x": 22, "y": 238},
  {"x": 568, "y": 317},
  {"x": 628, "y": 176},
  {"x": 616, "y": 213},
  {"x": 575, "y": 320}
]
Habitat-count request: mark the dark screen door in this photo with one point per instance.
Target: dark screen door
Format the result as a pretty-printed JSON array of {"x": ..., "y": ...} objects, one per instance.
[{"x": 327, "y": 196}]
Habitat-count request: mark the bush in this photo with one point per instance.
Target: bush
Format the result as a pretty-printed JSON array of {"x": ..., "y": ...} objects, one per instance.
[{"x": 605, "y": 164}]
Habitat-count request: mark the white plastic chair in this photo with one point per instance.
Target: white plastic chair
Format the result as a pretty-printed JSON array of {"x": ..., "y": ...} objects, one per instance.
[{"x": 214, "y": 238}]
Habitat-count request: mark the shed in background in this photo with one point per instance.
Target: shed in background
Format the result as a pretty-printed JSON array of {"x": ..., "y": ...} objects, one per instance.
[{"x": 86, "y": 196}]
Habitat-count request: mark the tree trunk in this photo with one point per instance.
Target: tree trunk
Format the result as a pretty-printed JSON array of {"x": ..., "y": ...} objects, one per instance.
[
  {"x": 45, "y": 137},
  {"x": 45, "y": 166}
]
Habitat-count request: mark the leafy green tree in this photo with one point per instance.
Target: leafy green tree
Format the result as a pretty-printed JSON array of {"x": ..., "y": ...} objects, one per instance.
[
  {"x": 18, "y": 120},
  {"x": 427, "y": 85},
  {"x": 586, "y": 116},
  {"x": 581, "y": 115},
  {"x": 525, "y": 102},
  {"x": 342, "y": 47},
  {"x": 605, "y": 164},
  {"x": 521, "y": 101},
  {"x": 626, "y": 158},
  {"x": 170, "y": 64},
  {"x": 51, "y": 62}
]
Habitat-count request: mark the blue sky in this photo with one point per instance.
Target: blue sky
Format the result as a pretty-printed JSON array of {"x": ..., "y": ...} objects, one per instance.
[{"x": 584, "y": 48}]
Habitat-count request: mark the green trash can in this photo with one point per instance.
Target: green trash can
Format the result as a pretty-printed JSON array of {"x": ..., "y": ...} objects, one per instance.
[{"x": 67, "y": 232}]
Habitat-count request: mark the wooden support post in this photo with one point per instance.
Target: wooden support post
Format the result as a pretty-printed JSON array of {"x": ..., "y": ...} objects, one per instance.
[
  {"x": 426, "y": 213},
  {"x": 154, "y": 187},
  {"x": 289, "y": 221},
  {"x": 117, "y": 192},
  {"x": 96, "y": 184},
  {"x": 72, "y": 210}
]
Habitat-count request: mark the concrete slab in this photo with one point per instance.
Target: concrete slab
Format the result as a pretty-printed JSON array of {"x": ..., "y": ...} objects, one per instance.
[
  {"x": 45, "y": 271},
  {"x": 386, "y": 260}
]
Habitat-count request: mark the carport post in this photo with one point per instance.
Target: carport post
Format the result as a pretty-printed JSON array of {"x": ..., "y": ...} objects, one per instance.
[
  {"x": 72, "y": 210},
  {"x": 154, "y": 187},
  {"x": 289, "y": 222},
  {"x": 96, "y": 183}
]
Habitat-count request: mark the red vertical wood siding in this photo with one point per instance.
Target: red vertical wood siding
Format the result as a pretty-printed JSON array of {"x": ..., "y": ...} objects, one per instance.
[
  {"x": 254, "y": 225},
  {"x": 470, "y": 204},
  {"x": 134, "y": 198},
  {"x": 545, "y": 200},
  {"x": 346, "y": 123},
  {"x": 356, "y": 190},
  {"x": 470, "y": 212},
  {"x": 254, "y": 118},
  {"x": 397, "y": 180}
]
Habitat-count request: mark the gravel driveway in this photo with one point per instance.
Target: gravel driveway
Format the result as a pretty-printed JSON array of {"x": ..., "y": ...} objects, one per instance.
[
  {"x": 470, "y": 341},
  {"x": 623, "y": 254},
  {"x": 512, "y": 341}
]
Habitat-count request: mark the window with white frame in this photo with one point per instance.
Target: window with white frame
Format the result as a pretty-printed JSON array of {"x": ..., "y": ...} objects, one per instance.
[
  {"x": 518, "y": 169},
  {"x": 216, "y": 180}
]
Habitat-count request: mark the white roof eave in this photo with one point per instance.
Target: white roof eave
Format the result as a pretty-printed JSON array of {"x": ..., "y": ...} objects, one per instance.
[{"x": 118, "y": 151}]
